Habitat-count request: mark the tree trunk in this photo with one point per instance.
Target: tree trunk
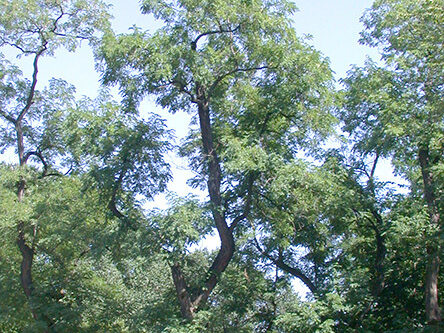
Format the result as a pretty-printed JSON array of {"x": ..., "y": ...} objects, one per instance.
[
  {"x": 189, "y": 305},
  {"x": 433, "y": 311},
  {"x": 26, "y": 251},
  {"x": 26, "y": 266},
  {"x": 186, "y": 306},
  {"x": 214, "y": 180}
]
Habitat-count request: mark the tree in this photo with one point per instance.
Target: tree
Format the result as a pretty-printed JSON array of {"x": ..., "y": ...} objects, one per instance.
[
  {"x": 253, "y": 86},
  {"x": 396, "y": 111},
  {"x": 68, "y": 152},
  {"x": 37, "y": 29}
]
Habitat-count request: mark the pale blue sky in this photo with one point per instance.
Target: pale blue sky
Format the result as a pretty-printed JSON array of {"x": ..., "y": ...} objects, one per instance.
[{"x": 335, "y": 27}]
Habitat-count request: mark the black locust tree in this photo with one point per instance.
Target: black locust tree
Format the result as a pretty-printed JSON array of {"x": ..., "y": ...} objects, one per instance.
[{"x": 249, "y": 81}]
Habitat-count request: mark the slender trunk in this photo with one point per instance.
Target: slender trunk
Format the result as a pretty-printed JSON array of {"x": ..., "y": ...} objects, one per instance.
[
  {"x": 187, "y": 303},
  {"x": 26, "y": 251},
  {"x": 214, "y": 182},
  {"x": 433, "y": 311},
  {"x": 379, "y": 280}
]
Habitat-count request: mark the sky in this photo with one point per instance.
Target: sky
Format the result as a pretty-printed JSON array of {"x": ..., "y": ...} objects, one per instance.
[{"x": 333, "y": 24}]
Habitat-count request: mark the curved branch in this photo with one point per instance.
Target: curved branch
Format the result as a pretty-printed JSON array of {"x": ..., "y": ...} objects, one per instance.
[
  {"x": 29, "y": 100},
  {"x": 213, "y": 32},
  {"x": 18, "y": 47},
  {"x": 112, "y": 203},
  {"x": 294, "y": 271},
  {"x": 234, "y": 71}
]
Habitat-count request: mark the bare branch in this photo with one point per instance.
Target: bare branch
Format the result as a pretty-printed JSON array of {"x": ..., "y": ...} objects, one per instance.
[
  {"x": 14, "y": 45},
  {"x": 294, "y": 271},
  {"x": 220, "y": 31},
  {"x": 29, "y": 100},
  {"x": 39, "y": 155},
  {"x": 375, "y": 162},
  {"x": 65, "y": 35},
  {"x": 7, "y": 117}
]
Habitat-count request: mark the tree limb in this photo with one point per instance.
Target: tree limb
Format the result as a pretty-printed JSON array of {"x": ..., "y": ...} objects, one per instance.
[
  {"x": 112, "y": 203},
  {"x": 234, "y": 71},
  {"x": 7, "y": 117},
  {"x": 294, "y": 271},
  {"x": 220, "y": 31}
]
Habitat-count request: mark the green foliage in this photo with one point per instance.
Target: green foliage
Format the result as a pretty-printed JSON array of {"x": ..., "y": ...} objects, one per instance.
[
  {"x": 399, "y": 106},
  {"x": 34, "y": 25},
  {"x": 396, "y": 111},
  {"x": 123, "y": 152},
  {"x": 313, "y": 317},
  {"x": 101, "y": 263},
  {"x": 183, "y": 225},
  {"x": 62, "y": 266}
]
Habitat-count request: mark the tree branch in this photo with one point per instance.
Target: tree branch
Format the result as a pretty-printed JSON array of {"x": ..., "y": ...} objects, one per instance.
[
  {"x": 234, "y": 71},
  {"x": 112, "y": 203},
  {"x": 296, "y": 272},
  {"x": 39, "y": 155},
  {"x": 29, "y": 100},
  {"x": 375, "y": 162},
  {"x": 182, "y": 88},
  {"x": 7, "y": 117},
  {"x": 21, "y": 49},
  {"x": 220, "y": 31}
]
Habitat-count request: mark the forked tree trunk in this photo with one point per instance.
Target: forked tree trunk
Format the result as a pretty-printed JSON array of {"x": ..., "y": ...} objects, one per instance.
[{"x": 190, "y": 303}]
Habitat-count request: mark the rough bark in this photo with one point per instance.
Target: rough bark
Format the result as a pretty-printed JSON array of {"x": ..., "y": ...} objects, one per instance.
[
  {"x": 186, "y": 306},
  {"x": 433, "y": 311},
  {"x": 188, "y": 303}
]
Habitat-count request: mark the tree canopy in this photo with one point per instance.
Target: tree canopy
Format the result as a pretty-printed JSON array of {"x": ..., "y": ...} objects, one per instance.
[{"x": 286, "y": 160}]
